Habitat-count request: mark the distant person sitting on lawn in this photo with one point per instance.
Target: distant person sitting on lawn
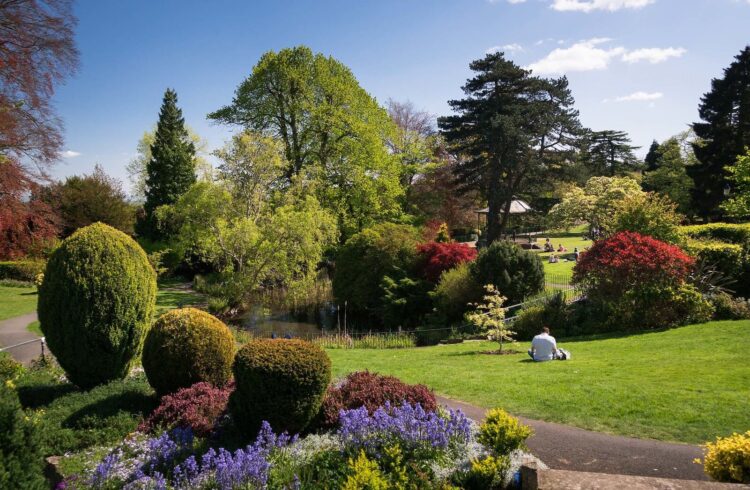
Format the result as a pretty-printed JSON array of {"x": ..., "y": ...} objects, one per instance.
[
  {"x": 543, "y": 347},
  {"x": 576, "y": 254},
  {"x": 561, "y": 249},
  {"x": 553, "y": 259},
  {"x": 548, "y": 246}
]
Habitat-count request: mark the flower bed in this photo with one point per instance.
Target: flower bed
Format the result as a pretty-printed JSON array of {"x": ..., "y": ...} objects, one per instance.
[{"x": 394, "y": 447}]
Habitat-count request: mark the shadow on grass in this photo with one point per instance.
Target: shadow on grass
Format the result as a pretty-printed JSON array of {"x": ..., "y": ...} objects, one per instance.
[
  {"x": 96, "y": 414},
  {"x": 40, "y": 395}
]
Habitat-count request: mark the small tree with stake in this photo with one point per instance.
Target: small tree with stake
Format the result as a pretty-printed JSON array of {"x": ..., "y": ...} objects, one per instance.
[{"x": 490, "y": 315}]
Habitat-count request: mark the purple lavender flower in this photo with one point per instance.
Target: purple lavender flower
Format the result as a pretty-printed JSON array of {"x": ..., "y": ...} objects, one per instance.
[
  {"x": 410, "y": 426},
  {"x": 104, "y": 469}
]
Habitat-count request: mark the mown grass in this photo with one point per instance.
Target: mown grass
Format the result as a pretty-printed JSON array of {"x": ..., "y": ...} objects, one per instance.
[
  {"x": 16, "y": 301},
  {"x": 173, "y": 294},
  {"x": 688, "y": 384}
]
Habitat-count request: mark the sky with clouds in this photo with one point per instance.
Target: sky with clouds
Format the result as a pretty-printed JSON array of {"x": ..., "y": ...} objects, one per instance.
[{"x": 634, "y": 65}]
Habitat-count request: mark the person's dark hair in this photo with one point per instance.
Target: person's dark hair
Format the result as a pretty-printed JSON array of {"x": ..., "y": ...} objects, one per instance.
[{"x": 545, "y": 329}]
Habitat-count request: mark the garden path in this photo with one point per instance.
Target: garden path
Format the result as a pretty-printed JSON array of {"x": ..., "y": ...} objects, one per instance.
[
  {"x": 13, "y": 331},
  {"x": 569, "y": 448}
]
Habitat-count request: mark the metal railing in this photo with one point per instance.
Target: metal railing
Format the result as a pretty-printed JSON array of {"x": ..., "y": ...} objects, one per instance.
[{"x": 41, "y": 341}]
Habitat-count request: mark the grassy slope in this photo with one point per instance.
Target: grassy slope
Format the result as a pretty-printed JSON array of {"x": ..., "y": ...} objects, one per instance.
[
  {"x": 688, "y": 384},
  {"x": 16, "y": 301}
]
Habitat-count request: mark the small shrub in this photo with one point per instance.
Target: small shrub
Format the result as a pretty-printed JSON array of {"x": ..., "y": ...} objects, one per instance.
[
  {"x": 197, "y": 407},
  {"x": 372, "y": 391},
  {"x": 406, "y": 302},
  {"x": 453, "y": 294},
  {"x": 488, "y": 473},
  {"x": 529, "y": 322},
  {"x": 187, "y": 346},
  {"x": 364, "y": 473},
  {"x": 729, "y": 308},
  {"x": 10, "y": 369},
  {"x": 502, "y": 432},
  {"x": 96, "y": 304},
  {"x": 515, "y": 272},
  {"x": 20, "y": 456},
  {"x": 279, "y": 381},
  {"x": 434, "y": 258},
  {"x": 728, "y": 459}
]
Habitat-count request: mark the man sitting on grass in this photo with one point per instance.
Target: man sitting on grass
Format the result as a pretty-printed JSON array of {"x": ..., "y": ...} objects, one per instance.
[{"x": 543, "y": 347}]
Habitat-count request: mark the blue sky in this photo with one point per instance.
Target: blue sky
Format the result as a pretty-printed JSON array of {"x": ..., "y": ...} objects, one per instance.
[{"x": 634, "y": 65}]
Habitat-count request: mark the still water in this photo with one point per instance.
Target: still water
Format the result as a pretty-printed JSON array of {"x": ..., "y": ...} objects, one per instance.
[{"x": 265, "y": 323}]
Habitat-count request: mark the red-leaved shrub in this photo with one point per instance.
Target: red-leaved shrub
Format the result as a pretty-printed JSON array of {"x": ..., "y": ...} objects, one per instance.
[
  {"x": 628, "y": 260},
  {"x": 198, "y": 407},
  {"x": 372, "y": 390},
  {"x": 435, "y": 258}
]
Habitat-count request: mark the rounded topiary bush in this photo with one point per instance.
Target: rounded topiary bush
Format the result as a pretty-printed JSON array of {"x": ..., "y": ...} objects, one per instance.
[
  {"x": 279, "y": 381},
  {"x": 96, "y": 304},
  {"x": 186, "y": 346}
]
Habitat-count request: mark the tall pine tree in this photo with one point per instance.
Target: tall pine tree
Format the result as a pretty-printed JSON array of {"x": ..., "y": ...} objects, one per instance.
[
  {"x": 608, "y": 153},
  {"x": 511, "y": 129},
  {"x": 723, "y": 134},
  {"x": 652, "y": 157},
  {"x": 171, "y": 170}
]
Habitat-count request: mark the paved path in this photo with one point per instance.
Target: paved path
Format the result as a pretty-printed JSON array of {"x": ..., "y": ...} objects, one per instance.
[
  {"x": 13, "y": 331},
  {"x": 563, "y": 447}
]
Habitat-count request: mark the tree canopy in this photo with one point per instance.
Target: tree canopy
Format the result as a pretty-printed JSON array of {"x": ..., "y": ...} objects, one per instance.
[
  {"x": 331, "y": 129},
  {"x": 724, "y": 133},
  {"x": 510, "y": 128}
]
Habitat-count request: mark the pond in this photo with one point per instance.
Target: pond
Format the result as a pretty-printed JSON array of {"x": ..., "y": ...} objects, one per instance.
[{"x": 263, "y": 322}]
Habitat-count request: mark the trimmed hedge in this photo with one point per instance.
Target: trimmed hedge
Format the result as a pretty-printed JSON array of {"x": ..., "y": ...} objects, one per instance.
[
  {"x": 187, "y": 346},
  {"x": 727, "y": 257},
  {"x": 20, "y": 456},
  {"x": 21, "y": 270},
  {"x": 280, "y": 381},
  {"x": 96, "y": 304},
  {"x": 725, "y": 232}
]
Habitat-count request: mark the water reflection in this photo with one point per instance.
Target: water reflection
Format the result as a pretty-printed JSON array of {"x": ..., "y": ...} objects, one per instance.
[{"x": 263, "y": 322}]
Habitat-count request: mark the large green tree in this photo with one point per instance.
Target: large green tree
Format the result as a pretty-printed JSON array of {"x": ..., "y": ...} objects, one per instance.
[
  {"x": 171, "y": 170},
  {"x": 724, "y": 132},
  {"x": 738, "y": 205},
  {"x": 669, "y": 174},
  {"x": 511, "y": 128},
  {"x": 331, "y": 129},
  {"x": 86, "y": 199},
  {"x": 608, "y": 153}
]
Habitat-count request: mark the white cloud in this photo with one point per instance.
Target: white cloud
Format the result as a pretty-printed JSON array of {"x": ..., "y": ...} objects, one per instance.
[
  {"x": 510, "y": 48},
  {"x": 652, "y": 55},
  {"x": 591, "y": 5},
  {"x": 521, "y": 1},
  {"x": 581, "y": 56},
  {"x": 640, "y": 96},
  {"x": 70, "y": 154}
]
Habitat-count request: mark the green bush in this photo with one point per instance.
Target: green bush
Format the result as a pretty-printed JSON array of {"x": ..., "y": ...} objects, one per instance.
[
  {"x": 21, "y": 270},
  {"x": 10, "y": 369},
  {"x": 453, "y": 293},
  {"x": 488, "y": 473},
  {"x": 187, "y": 346},
  {"x": 726, "y": 257},
  {"x": 20, "y": 457},
  {"x": 502, "y": 432},
  {"x": 728, "y": 308},
  {"x": 74, "y": 420},
  {"x": 656, "y": 307},
  {"x": 96, "y": 304},
  {"x": 366, "y": 258},
  {"x": 725, "y": 232},
  {"x": 515, "y": 272},
  {"x": 279, "y": 381},
  {"x": 553, "y": 313},
  {"x": 728, "y": 459}
]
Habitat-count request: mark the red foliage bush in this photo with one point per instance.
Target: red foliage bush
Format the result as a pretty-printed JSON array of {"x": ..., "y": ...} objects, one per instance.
[
  {"x": 435, "y": 258},
  {"x": 198, "y": 407},
  {"x": 372, "y": 390},
  {"x": 627, "y": 260}
]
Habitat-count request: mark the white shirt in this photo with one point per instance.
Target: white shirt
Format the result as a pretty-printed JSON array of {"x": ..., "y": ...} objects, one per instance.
[{"x": 544, "y": 347}]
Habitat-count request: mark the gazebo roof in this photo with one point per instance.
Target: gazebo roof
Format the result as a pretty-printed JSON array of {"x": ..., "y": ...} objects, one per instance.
[{"x": 517, "y": 206}]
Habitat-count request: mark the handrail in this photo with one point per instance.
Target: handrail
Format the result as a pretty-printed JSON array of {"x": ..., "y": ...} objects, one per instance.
[{"x": 40, "y": 339}]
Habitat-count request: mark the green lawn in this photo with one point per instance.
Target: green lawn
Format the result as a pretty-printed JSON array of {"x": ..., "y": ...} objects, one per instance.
[
  {"x": 172, "y": 294},
  {"x": 688, "y": 384},
  {"x": 16, "y": 301},
  {"x": 561, "y": 272}
]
